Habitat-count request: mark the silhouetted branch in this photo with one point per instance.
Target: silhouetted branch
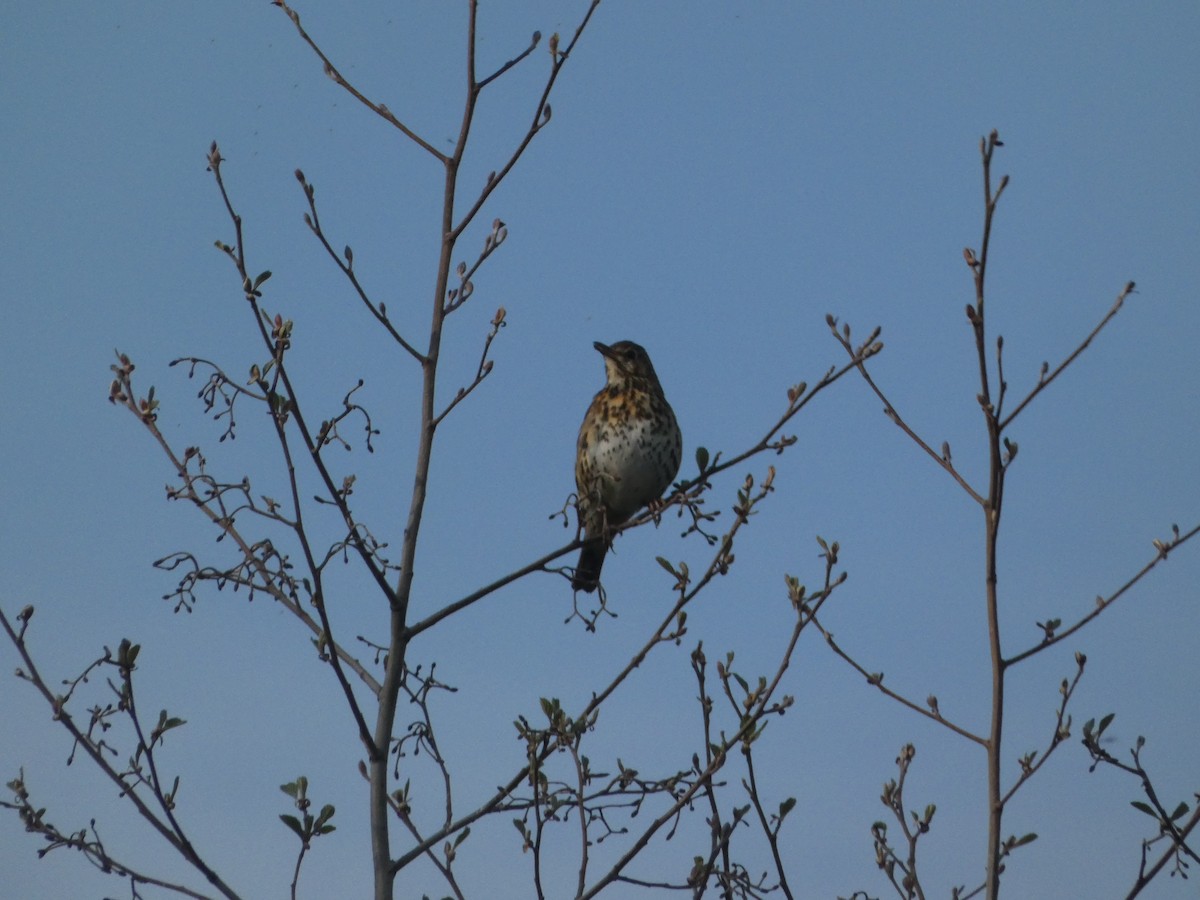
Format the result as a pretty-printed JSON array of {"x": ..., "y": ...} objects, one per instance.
[
  {"x": 1148, "y": 870},
  {"x": 128, "y": 781},
  {"x": 482, "y": 372},
  {"x": 456, "y": 297},
  {"x": 332, "y": 71},
  {"x": 875, "y": 679},
  {"x": 1031, "y": 762},
  {"x": 1054, "y": 636},
  {"x": 345, "y": 263},
  {"x": 756, "y": 706},
  {"x": 770, "y": 827},
  {"x": 87, "y": 841},
  {"x": 1044, "y": 380},
  {"x": 889, "y": 410},
  {"x": 1092, "y": 735},
  {"x": 541, "y": 115},
  {"x": 908, "y": 884},
  {"x": 533, "y": 42}
]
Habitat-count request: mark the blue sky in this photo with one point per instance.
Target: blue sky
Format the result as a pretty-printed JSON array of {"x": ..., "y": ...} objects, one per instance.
[{"x": 715, "y": 179}]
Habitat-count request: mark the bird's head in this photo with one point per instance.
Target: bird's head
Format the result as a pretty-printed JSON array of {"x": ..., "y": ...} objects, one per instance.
[{"x": 626, "y": 362}]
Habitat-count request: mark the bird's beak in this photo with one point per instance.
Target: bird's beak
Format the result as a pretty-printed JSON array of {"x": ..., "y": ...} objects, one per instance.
[{"x": 605, "y": 350}]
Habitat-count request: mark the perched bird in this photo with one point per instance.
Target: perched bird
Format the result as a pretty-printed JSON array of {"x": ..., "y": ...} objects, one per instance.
[{"x": 628, "y": 453}]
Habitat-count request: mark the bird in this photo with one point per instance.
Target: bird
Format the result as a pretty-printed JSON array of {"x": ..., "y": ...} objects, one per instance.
[{"x": 628, "y": 453}]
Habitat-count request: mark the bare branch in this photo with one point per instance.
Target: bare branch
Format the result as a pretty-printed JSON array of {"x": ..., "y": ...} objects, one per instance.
[
  {"x": 541, "y": 116},
  {"x": 666, "y": 632},
  {"x": 1031, "y": 762},
  {"x": 456, "y": 297},
  {"x": 1092, "y": 736},
  {"x": 1162, "y": 548},
  {"x": 798, "y": 397},
  {"x": 1045, "y": 379},
  {"x": 332, "y": 71},
  {"x": 91, "y": 847},
  {"x": 933, "y": 713},
  {"x": 759, "y": 706},
  {"x": 482, "y": 372},
  {"x": 276, "y": 344},
  {"x": 1147, "y": 874},
  {"x": 345, "y": 262},
  {"x": 167, "y": 827},
  {"x": 533, "y": 42},
  {"x": 770, "y": 831},
  {"x": 909, "y": 884},
  {"x": 255, "y": 555},
  {"x": 889, "y": 410}
]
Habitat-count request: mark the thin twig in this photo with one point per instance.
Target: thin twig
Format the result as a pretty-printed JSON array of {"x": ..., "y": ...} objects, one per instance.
[
  {"x": 1062, "y": 731},
  {"x": 443, "y": 868},
  {"x": 169, "y": 832},
  {"x": 1102, "y": 603},
  {"x": 750, "y": 721},
  {"x": 876, "y": 679},
  {"x": 483, "y": 371},
  {"x": 533, "y": 42},
  {"x": 377, "y": 310},
  {"x": 495, "y": 802},
  {"x": 1147, "y": 875},
  {"x": 332, "y": 71},
  {"x": 795, "y": 405},
  {"x": 540, "y": 119},
  {"x": 772, "y": 835},
  {"x": 1044, "y": 380},
  {"x": 889, "y": 410}
]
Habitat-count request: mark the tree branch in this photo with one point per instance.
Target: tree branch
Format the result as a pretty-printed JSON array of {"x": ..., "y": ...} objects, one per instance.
[
  {"x": 1044, "y": 380},
  {"x": 169, "y": 831},
  {"x": 378, "y": 108},
  {"x": 1102, "y": 603},
  {"x": 889, "y": 410},
  {"x": 875, "y": 679},
  {"x": 378, "y": 311}
]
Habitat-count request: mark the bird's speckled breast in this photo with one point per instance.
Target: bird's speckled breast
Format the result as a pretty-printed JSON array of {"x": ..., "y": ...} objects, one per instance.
[{"x": 633, "y": 462}]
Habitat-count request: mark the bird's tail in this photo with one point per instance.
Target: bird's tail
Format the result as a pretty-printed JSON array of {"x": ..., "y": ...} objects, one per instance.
[{"x": 587, "y": 571}]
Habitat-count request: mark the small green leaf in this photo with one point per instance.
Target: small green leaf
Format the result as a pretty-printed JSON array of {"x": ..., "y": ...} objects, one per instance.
[
  {"x": 701, "y": 458},
  {"x": 293, "y": 823},
  {"x": 1144, "y": 807},
  {"x": 1026, "y": 839},
  {"x": 1179, "y": 811},
  {"x": 127, "y": 653},
  {"x": 260, "y": 279},
  {"x": 325, "y": 815},
  {"x": 666, "y": 565}
]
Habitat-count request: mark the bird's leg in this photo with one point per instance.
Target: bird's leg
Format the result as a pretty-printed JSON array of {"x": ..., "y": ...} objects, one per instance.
[{"x": 657, "y": 507}]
